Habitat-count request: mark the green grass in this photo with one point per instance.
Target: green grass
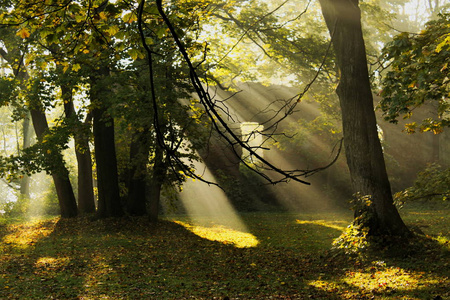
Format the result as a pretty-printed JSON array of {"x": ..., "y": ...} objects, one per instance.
[{"x": 131, "y": 259}]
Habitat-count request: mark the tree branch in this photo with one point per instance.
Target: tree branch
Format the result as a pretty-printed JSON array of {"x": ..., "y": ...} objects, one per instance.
[{"x": 210, "y": 107}]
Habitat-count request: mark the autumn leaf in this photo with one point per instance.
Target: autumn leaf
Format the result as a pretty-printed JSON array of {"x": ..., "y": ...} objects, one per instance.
[
  {"x": 23, "y": 33},
  {"x": 112, "y": 30},
  {"x": 76, "y": 67},
  {"x": 129, "y": 18},
  {"x": 103, "y": 15}
]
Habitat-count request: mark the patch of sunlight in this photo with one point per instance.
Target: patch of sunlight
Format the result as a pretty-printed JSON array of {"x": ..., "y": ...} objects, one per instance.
[
  {"x": 382, "y": 280},
  {"x": 378, "y": 279},
  {"x": 327, "y": 286},
  {"x": 443, "y": 241},
  {"x": 26, "y": 234},
  {"x": 51, "y": 262},
  {"x": 322, "y": 223},
  {"x": 333, "y": 287},
  {"x": 203, "y": 201},
  {"x": 222, "y": 234}
]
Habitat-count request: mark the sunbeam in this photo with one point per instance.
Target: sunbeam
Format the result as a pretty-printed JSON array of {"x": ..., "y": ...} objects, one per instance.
[{"x": 210, "y": 210}]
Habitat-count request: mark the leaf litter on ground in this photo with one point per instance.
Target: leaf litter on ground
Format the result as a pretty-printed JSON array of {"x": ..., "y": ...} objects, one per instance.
[{"x": 130, "y": 258}]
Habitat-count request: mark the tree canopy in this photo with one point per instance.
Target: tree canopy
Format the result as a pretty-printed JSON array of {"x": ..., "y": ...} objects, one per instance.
[{"x": 136, "y": 82}]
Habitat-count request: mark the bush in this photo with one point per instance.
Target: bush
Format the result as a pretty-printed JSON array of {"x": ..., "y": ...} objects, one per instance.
[
  {"x": 16, "y": 208},
  {"x": 432, "y": 184}
]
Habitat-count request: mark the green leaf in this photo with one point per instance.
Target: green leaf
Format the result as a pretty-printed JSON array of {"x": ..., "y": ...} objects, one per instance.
[{"x": 133, "y": 53}]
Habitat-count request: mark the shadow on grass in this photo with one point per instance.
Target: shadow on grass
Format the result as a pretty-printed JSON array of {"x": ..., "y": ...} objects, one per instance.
[
  {"x": 131, "y": 259},
  {"x": 418, "y": 270},
  {"x": 414, "y": 270}
]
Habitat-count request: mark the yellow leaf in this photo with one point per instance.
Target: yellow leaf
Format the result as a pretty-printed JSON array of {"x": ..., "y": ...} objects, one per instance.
[
  {"x": 444, "y": 43},
  {"x": 112, "y": 30},
  {"x": 49, "y": 151},
  {"x": 65, "y": 66},
  {"x": 103, "y": 15},
  {"x": 129, "y": 18},
  {"x": 23, "y": 33},
  {"x": 76, "y": 67}
]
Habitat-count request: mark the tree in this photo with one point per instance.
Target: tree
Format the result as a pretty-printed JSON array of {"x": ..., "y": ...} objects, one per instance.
[
  {"x": 93, "y": 47},
  {"x": 362, "y": 145},
  {"x": 15, "y": 57}
]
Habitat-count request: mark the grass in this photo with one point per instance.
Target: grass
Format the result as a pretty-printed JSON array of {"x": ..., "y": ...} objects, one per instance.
[{"x": 282, "y": 256}]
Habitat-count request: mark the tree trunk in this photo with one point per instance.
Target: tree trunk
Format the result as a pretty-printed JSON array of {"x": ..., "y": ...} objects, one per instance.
[
  {"x": 66, "y": 197},
  {"x": 86, "y": 200},
  {"x": 25, "y": 181},
  {"x": 362, "y": 145},
  {"x": 159, "y": 173},
  {"x": 109, "y": 204},
  {"x": 137, "y": 185}
]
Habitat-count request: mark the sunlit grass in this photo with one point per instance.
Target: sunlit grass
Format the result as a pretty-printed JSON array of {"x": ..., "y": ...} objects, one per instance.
[
  {"x": 379, "y": 279},
  {"x": 26, "y": 234},
  {"x": 443, "y": 241},
  {"x": 329, "y": 224},
  {"x": 48, "y": 263},
  {"x": 128, "y": 258},
  {"x": 223, "y": 235}
]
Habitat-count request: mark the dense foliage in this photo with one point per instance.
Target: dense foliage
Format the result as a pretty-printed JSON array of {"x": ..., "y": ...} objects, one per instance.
[
  {"x": 433, "y": 183},
  {"x": 419, "y": 75}
]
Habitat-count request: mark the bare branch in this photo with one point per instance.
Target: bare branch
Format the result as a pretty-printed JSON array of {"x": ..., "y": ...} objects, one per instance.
[{"x": 214, "y": 116}]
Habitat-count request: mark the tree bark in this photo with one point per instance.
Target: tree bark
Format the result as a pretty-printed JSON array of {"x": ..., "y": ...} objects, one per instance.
[
  {"x": 137, "y": 184},
  {"x": 109, "y": 204},
  {"x": 362, "y": 145},
  {"x": 158, "y": 176},
  {"x": 25, "y": 181},
  {"x": 86, "y": 200}
]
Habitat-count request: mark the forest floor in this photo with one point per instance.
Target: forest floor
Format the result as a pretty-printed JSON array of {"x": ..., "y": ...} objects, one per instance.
[{"x": 281, "y": 256}]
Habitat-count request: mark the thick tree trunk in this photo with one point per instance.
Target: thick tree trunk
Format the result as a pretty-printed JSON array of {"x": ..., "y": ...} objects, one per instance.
[
  {"x": 109, "y": 204},
  {"x": 362, "y": 145},
  {"x": 86, "y": 200},
  {"x": 66, "y": 197},
  {"x": 105, "y": 155},
  {"x": 137, "y": 185}
]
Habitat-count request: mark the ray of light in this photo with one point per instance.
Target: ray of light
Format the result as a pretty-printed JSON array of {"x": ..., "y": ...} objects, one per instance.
[{"x": 209, "y": 209}]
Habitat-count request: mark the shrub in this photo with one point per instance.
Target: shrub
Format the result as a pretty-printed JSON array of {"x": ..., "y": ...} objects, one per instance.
[{"x": 432, "y": 184}]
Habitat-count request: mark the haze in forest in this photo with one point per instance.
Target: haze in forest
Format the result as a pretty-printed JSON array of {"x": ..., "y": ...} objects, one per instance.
[{"x": 250, "y": 80}]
